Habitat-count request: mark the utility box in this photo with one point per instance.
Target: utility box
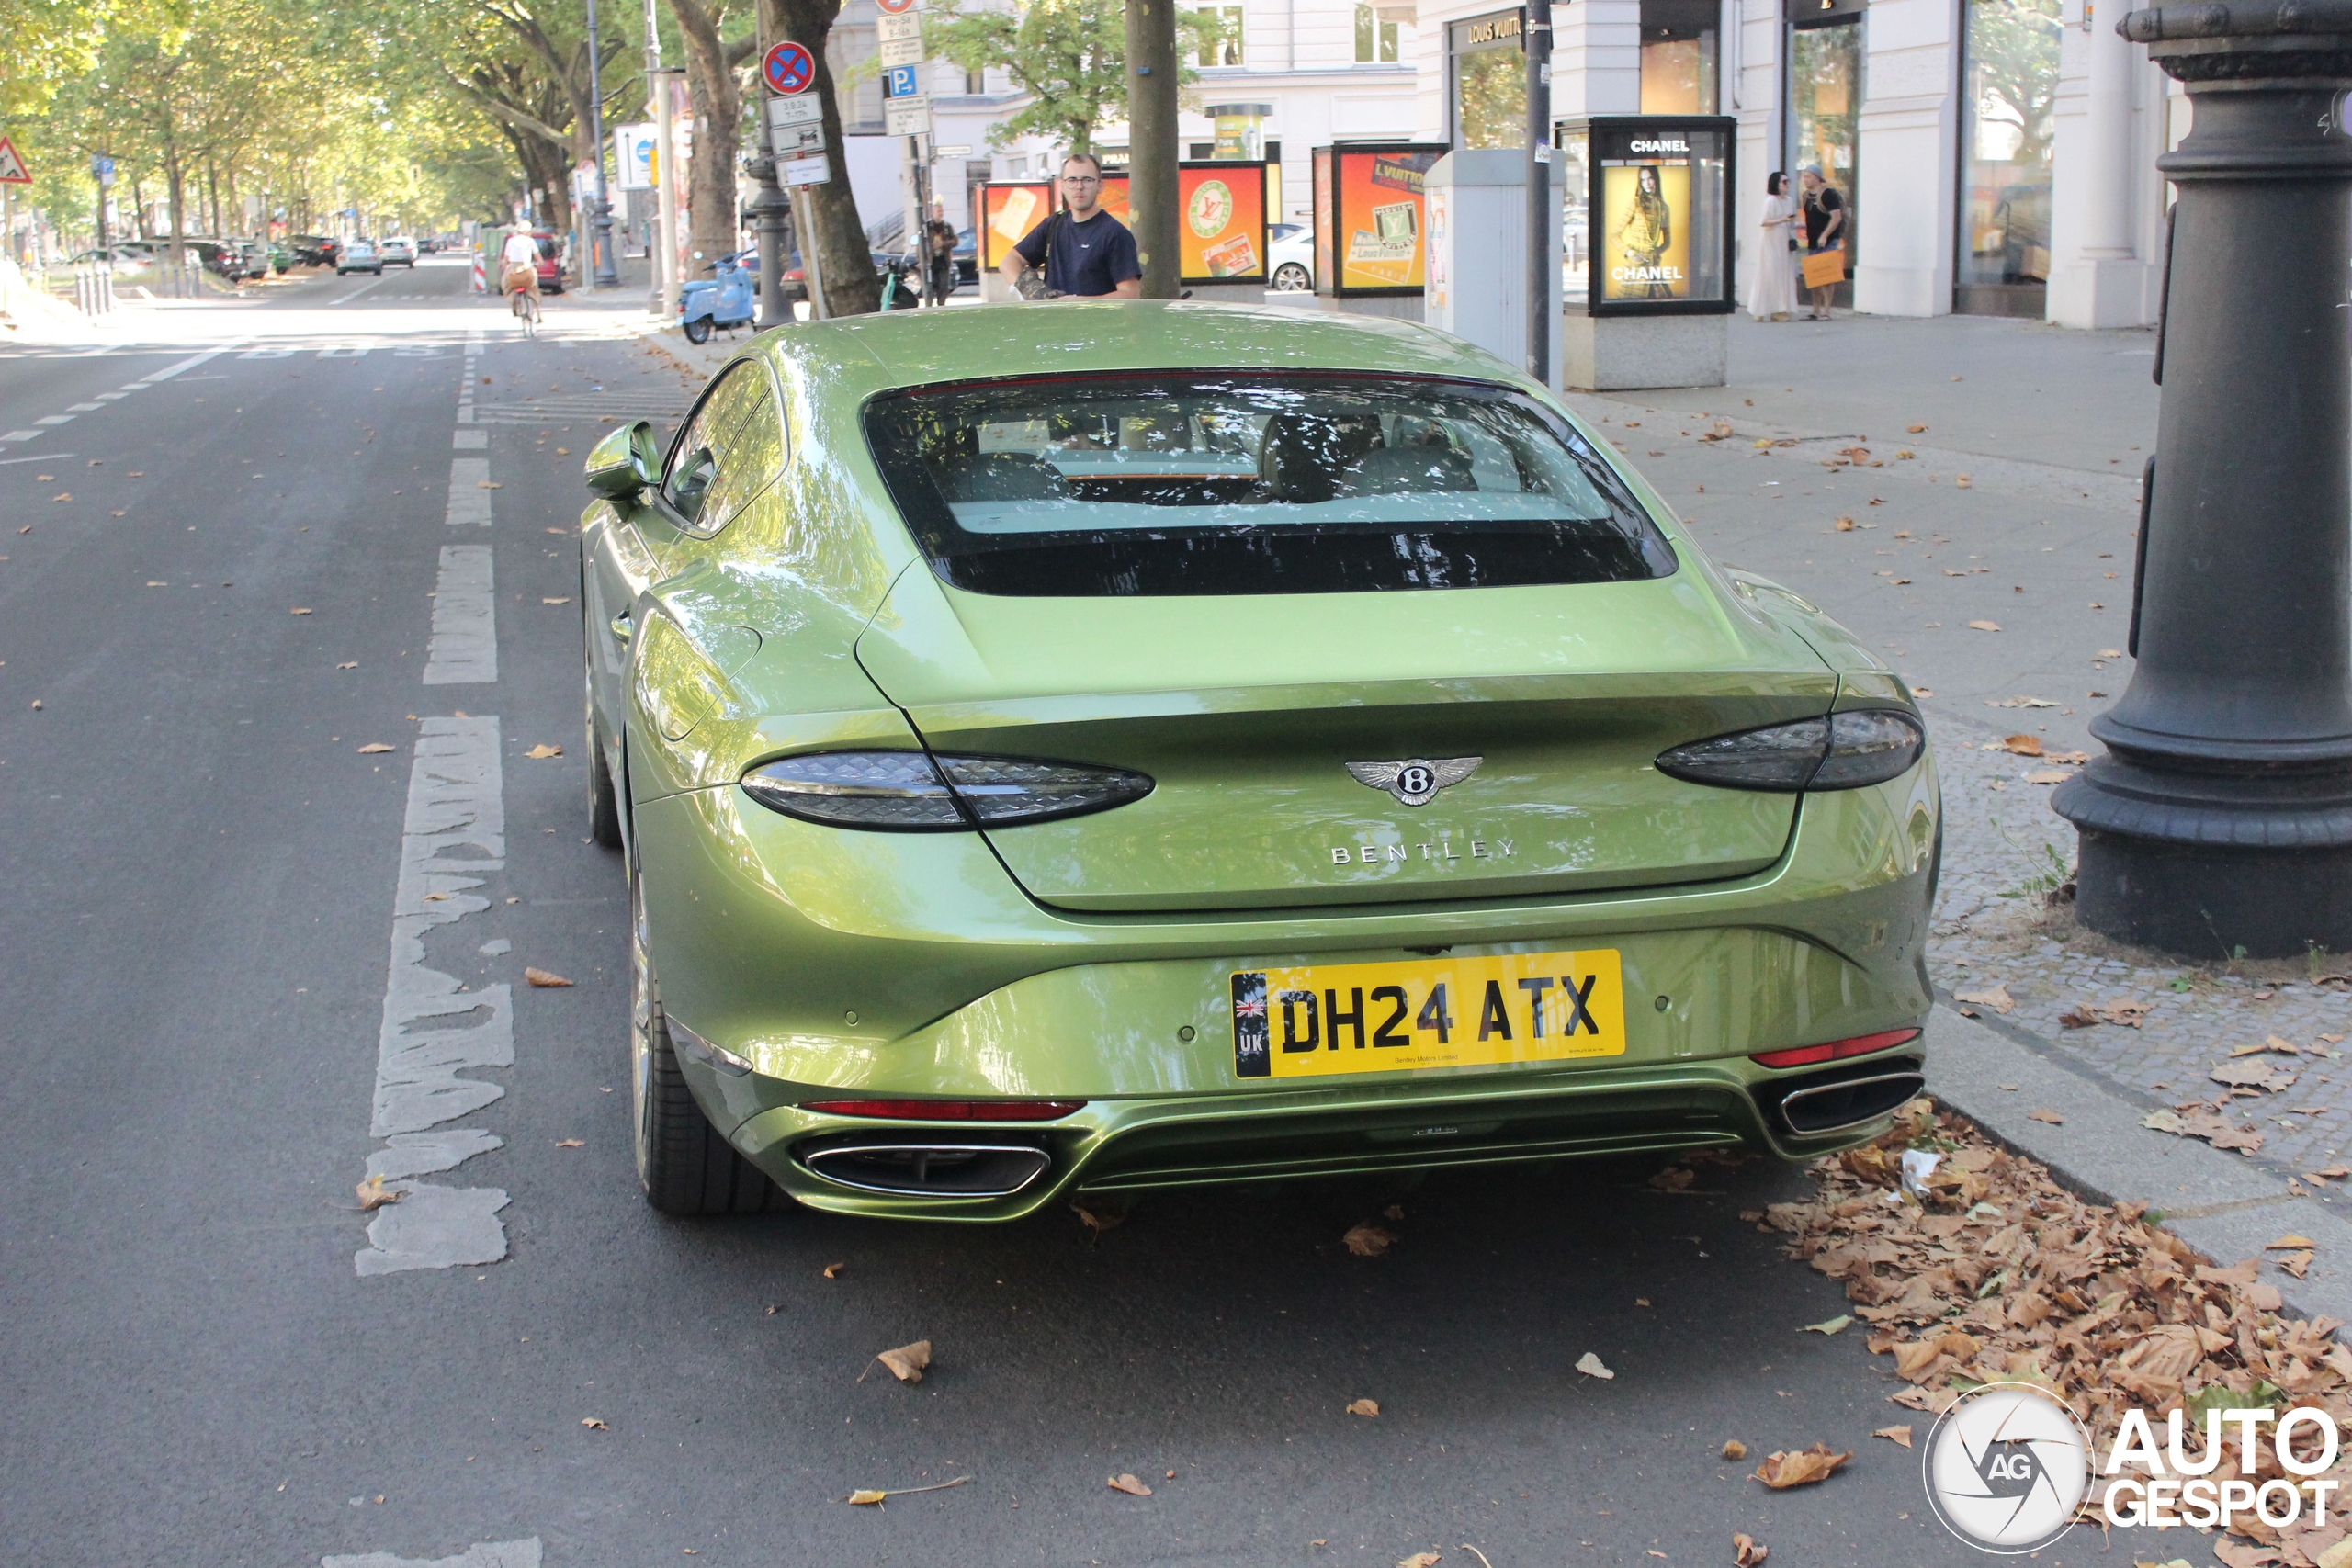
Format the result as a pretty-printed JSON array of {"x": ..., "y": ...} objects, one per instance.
[
  {"x": 1649, "y": 236},
  {"x": 1477, "y": 252}
]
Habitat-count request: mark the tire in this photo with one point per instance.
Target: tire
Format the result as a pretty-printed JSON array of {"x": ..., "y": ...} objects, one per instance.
[
  {"x": 698, "y": 329},
  {"x": 604, "y": 797},
  {"x": 686, "y": 1166},
  {"x": 1292, "y": 279}
]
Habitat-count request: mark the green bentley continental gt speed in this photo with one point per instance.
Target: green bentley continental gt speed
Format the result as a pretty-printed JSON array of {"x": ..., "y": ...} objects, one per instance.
[{"x": 1114, "y": 747}]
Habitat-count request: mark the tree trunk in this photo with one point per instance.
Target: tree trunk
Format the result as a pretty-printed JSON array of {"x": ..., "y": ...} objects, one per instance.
[
  {"x": 1151, "y": 143},
  {"x": 717, "y": 111},
  {"x": 843, "y": 255}
]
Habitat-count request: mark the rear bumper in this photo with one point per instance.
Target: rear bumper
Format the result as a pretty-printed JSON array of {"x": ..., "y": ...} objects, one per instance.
[{"x": 1144, "y": 1145}]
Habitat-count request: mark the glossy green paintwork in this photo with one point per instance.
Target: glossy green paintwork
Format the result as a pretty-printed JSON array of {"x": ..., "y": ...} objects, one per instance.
[{"x": 1060, "y": 960}]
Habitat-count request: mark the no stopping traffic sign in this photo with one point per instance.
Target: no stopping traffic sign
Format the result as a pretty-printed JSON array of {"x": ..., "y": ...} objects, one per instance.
[{"x": 789, "y": 68}]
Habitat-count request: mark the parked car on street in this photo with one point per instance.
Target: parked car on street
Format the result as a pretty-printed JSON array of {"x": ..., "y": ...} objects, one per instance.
[
  {"x": 397, "y": 251},
  {"x": 314, "y": 250},
  {"x": 550, "y": 265},
  {"x": 1200, "y": 744},
  {"x": 359, "y": 255},
  {"x": 1290, "y": 258}
]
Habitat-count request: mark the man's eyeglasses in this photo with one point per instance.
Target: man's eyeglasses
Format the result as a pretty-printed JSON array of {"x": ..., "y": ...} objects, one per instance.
[{"x": 1081, "y": 179}]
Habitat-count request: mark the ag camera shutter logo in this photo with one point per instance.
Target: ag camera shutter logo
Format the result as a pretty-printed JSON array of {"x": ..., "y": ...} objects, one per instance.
[{"x": 2006, "y": 1467}]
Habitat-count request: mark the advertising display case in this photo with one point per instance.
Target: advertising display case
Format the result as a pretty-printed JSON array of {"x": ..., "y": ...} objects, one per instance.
[
  {"x": 1647, "y": 230},
  {"x": 1371, "y": 217},
  {"x": 1002, "y": 212},
  {"x": 1221, "y": 235}
]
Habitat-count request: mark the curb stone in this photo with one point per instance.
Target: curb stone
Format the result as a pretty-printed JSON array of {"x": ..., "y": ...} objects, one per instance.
[{"x": 2226, "y": 1205}]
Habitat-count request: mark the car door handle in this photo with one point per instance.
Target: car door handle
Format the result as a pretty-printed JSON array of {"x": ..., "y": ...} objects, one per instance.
[{"x": 623, "y": 626}]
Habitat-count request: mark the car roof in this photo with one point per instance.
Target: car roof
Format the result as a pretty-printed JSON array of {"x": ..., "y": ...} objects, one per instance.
[{"x": 890, "y": 350}]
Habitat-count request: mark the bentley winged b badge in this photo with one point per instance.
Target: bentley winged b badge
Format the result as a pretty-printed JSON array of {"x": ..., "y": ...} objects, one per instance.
[{"x": 1417, "y": 780}]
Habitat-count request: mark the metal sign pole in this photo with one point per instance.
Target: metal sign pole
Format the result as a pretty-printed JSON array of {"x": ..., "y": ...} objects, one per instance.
[{"x": 1541, "y": 214}]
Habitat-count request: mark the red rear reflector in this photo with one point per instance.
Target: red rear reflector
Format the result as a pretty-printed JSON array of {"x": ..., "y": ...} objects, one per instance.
[
  {"x": 948, "y": 1109},
  {"x": 1836, "y": 1050}
]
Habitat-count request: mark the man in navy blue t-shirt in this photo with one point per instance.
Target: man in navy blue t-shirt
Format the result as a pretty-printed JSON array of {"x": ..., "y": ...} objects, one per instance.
[{"x": 1087, "y": 253}]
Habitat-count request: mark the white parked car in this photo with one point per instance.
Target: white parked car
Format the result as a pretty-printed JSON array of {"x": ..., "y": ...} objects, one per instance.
[{"x": 1290, "y": 258}]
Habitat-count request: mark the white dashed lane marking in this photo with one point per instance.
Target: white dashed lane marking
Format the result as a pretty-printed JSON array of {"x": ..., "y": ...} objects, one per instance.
[
  {"x": 469, "y": 491},
  {"x": 464, "y": 646},
  {"x": 434, "y": 1034}
]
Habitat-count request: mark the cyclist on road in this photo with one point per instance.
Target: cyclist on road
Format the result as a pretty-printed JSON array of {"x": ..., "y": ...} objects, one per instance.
[{"x": 519, "y": 263}]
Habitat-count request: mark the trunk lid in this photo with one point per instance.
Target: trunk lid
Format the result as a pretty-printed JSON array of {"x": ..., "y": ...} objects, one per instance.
[{"x": 1248, "y": 711}]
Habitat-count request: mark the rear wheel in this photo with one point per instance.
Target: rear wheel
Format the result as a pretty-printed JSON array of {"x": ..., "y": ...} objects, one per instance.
[
  {"x": 686, "y": 1167},
  {"x": 698, "y": 329},
  {"x": 1292, "y": 279}
]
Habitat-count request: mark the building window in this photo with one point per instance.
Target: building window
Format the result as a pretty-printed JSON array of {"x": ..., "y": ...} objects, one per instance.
[
  {"x": 1489, "y": 82},
  {"x": 976, "y": 84},
  {"x": 2009, "y": 92},
  {"x": 1225, "y": 49},
  {"x": 1376, "y": 41},
  {"x": 1678, "y": 56}
]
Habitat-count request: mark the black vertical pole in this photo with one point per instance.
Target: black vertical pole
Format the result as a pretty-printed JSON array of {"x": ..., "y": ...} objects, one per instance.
[
  {"x": 2220, "y": 818},
  {"x": 1541, "y": 215}
]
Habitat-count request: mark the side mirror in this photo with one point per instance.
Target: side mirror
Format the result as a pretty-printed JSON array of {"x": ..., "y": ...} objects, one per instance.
[{"x": 625, "y": 463}]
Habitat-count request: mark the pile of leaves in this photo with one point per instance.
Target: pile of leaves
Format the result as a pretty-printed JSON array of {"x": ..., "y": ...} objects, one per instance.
[{"x": 1973, "y": 1266}]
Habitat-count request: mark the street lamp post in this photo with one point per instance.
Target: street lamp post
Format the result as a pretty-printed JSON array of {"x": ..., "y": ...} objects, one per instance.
[
  {"x": 600, "y": 222},
  {"x": 2220, "y": 818}
]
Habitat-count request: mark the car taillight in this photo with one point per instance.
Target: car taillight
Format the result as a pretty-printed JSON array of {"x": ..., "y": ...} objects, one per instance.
[
  {"x": 948, "y": 1109},
  {"x": 912, "y": 791},
  {"x": 1846, "y": 750},
  {"x": 1836, "y": 1050}
]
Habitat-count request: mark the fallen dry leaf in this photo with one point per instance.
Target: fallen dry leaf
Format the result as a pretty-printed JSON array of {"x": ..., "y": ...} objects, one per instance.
[
  {"x": 353, "y": 665},
  {"x": 543, "y": 976},
  {"x": 1915, "y": 429},
  {"x": 1781, "y": 1470},
  {"x": 862, "y": 1496},
  {"x": 2050, "y": 1116},
  {"x": 298, "y": 612},
  {"x": 1747, "y": 1551},
  {"x": 1983, "y": 626},
  {"x": 1735, "y": 1449},
  {"x": 1837, "y": 1324},
  {"x": 542, "y": 751},
  {"x": 571, "y": 1142},
  {"x": 1894, "y": 1435},
  {"x": 565, "y": 600},
  {"x": 1996, "y": 996},
  {"x": 1368, "y": 1240},
  {"x": 2022, "y": 745},
  {"x": 1960, "y": 482},
  {"x": 488, "y": 484},
  {"x": 1673, "y": 1180},
  {"x": 374, "y": 1194},
  {"x": 1363, "y": 1407},
  {"x": 2299, "y": 1264},
  {"x": 833, "y": 1271},
  {"x": 374, "y": 748},
  {"x": 1097, "y": 1221},
  {"x": 2048, "y": 776},
  {"x": 1590, "y": 1365},
  {"x": 1421, "y": 1560},
  {"x": 908, "y": 1361},
  {"x": 592, "y": 1421},
  {"x": 1129, "y": 1485},
  {"x": 1845, "y": 525},
  {"x": 2290, "y": 1242}
]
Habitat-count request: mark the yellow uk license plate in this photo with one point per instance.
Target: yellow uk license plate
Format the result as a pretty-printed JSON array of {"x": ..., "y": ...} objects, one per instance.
[{"x": 1439, "y": 1012}]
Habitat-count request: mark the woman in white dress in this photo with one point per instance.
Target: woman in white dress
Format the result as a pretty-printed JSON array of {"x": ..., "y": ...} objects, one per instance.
[{"x": 1773, "y": 295}]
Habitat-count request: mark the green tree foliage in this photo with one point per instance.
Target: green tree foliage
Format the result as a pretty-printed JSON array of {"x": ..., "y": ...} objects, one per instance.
[{"x": 1070, "y": 56}]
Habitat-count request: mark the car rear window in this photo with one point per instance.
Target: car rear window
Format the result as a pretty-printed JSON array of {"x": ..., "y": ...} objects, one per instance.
[{"x": 1117, "y": 486}]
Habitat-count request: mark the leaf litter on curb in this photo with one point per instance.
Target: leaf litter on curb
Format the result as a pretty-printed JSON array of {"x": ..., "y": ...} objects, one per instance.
[
  {"x": 1894, "y": 1435},
  {"x": 374, "y": 1194},
  {"x": 1781, "y": 1470},
  {"x": 1995, "y": 1273},
  {"x": 1996, "y": 996},
  {"x": 1747, "y": 1551}
]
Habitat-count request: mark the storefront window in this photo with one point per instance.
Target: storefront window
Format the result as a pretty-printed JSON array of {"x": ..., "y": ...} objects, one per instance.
[
  {"x": 1825, "y": 103},
  {"x": 1678, "y": 56},
  {"x": 2011, "y": 83},
  {"x": 1489, "y": 82}
]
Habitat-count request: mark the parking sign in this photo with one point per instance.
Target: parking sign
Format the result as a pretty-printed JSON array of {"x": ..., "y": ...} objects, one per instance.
[{"x": 900, "y": 82}]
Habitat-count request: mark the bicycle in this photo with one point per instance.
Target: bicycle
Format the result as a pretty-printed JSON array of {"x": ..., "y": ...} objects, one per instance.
[{"x": 523, "y": 298}]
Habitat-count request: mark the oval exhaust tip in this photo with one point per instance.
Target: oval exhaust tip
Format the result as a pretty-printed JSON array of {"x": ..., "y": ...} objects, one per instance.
[
  {"x": 924, "y": 1169},
  {"x": 1849, "y": 1103}
]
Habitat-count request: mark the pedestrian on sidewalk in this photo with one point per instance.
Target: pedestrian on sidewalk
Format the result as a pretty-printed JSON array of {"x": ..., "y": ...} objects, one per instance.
[
  {"x": 1773, "y": 295},
  {"x": 1825, "y": 229},
  {"x": 1083, "y": 252},
  {"x": 938, "y": 256}
]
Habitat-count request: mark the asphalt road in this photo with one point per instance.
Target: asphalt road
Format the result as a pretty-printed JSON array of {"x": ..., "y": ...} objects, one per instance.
[{"x": 202, "y": 868}]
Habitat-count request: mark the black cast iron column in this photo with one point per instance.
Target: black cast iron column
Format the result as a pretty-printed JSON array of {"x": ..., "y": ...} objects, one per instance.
[{"x": 2222, "y": 817}]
